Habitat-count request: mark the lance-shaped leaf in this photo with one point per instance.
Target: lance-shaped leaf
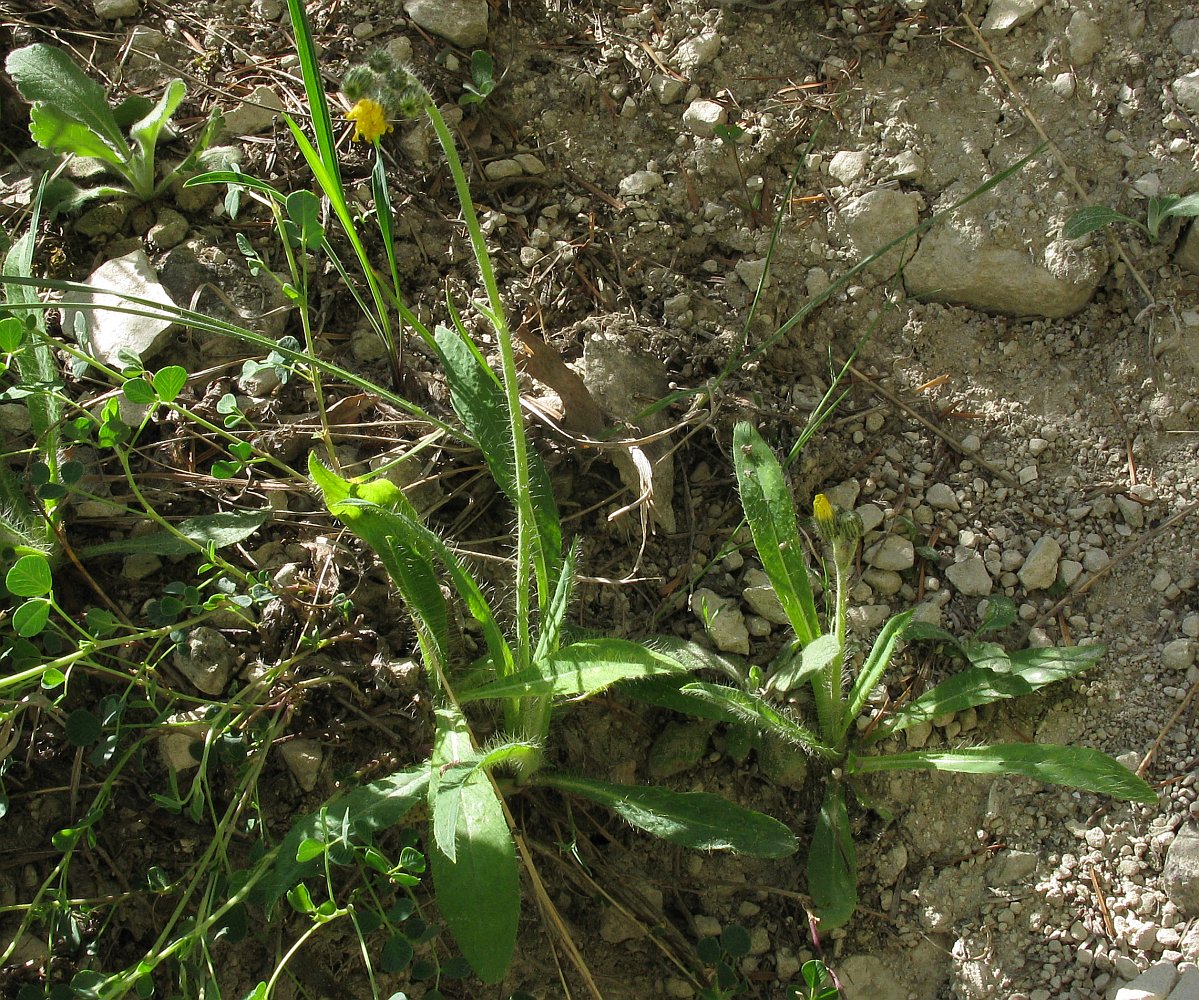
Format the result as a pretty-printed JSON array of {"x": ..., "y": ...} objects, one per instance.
[
  {"x": 874, "y": 667},
  {"x": 745, "y": 708},
  {"x": 771, "y": 515},
  {"x": 698, "y": 820},
  {"x": 46, "y": 75},
  {"x": 804, "y": 664},
  {"x": 1030, "y": 669},
  {"x": 833, "y": 862},
  {"x": 580, "y": 669},
  {"x": 1075, "y": 767},
  {"x": 476, "y": 880}
]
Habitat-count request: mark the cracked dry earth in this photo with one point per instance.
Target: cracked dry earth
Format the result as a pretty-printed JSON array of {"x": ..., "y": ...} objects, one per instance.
[{"x": 1021, "y": 420}]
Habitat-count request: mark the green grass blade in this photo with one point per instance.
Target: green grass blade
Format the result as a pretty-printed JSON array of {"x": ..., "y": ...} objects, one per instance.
[
  {"x": 1075, "y": 767},
  {"x": 873, "y": 669},
  {"x": 314, "y": 90},
  {"x": 375, "y": 806},
  {"x": 577, "y": 670},
  {"x": 1030, "y": 669},
  {"x": 771, "y": 516},
  {"x": 698, "y": 820},
  {"x": 833, "y": 862}
]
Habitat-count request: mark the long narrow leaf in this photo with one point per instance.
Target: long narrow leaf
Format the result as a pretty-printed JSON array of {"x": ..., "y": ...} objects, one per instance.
[
  {"x": 580, "y": 669},
  {"x": 549, "y": 633},
  {"x": 698, "y": 820},
  {"x": 666, "y": 691},
  {"x": 408, "y": 565},
  {"x": 472, "y": 857},
  {"x": 1030, "y": 669},
  {"x": 874, "y": 667},
  {"x": 749, "y": 709},
  {"x": 1075, "y": 767},
  {"x": 770, "y": 512},
  {"x": 833, "y": 862}
]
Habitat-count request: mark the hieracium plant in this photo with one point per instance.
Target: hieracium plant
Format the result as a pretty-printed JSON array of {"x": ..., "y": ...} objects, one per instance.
[
  {"x": 71, "y": 114},
  {"x": 532, "y": 662},
  {"x": 818, "y": 657}
]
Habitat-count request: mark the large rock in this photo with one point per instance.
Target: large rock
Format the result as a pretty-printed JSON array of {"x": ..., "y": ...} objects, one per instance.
[
  {"x": 1180, "y": 876},
  {"x": 876, "y": 218},
  {"x": 965, "y": 261},
  {"x": 107, "y": 333},
  {"x": 461, "y": 22}
]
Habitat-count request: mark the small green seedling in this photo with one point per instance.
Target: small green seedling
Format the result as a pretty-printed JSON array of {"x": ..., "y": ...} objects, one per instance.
[
  {"x": 751, "y": 205},
  {"x": 818, "y": 982},
  {"x": 71, "y": 115},
  {"x": 482, "y": 79},
  {"x": 1087, "y": 220},
  {"x": 817, "y": 657}
]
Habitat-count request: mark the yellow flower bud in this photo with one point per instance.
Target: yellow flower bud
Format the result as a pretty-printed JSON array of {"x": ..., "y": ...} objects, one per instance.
[{"x": 370, "y": 120}]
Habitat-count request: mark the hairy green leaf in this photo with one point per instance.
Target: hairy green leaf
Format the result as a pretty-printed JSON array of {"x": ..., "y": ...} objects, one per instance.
[
  {"x": 1075, "y": 767},
  {"x": 1087, "y": 220},
  {"x": 771, "y": 516},
  {"x": 1029, "y": 669},
  {"x": 874, "y": 667},
  {"x": 582, "y": 668},
  {"x": 221, "y": 529},
  {"x": 805, "y": 664},
  {"x": 477, "y": 884},
  {"x": 46, "y": 75},
  {"x": 745, "y": 708},
  {"x": 699, "y": 820},
  {"x": 833, "y": 862}
]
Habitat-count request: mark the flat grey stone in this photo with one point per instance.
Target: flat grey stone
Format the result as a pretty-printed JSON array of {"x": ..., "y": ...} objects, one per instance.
[
  {"x": 111, "y": 10},
  {"x": 693, "y": 53},
  {"x": 257, "y": 113},
  {"x": 941, "y": 497},
  {"x": 1039, "y": 571},
  {"x": 702, "y": 117},
  {"x": 722, "y": 620},
  {"x": 874, "y": 219},
  {"x": 1084, "y": 37},
  {"x": 206, "y": 658},
  {"x": 1186, "y": 90},
  {"x": 1010, "y": 867},
  {"x": 638, "y": 183},
  {"x": 303, "y": 758},
  {"x": 848, "y": 166},
  {"x": 1004, "y": 15},
  {"x": 970, "y": 577},
  {"x": 1155, "y": 983},
  {"x": 108, "y": 332},
  {"x": 961, "y": 262},
  {"x": 1180, "y": 876},
  {"x": 1187, "y": 987},
  {"x": 461, "y": 22},
  {"x": 894, "y": 553}
]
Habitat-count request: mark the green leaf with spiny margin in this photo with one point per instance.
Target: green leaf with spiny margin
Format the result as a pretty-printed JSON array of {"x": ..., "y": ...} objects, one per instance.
[
  {"x": 873, "y": 669},
  {"x": 1074, "y": 767},
  {"x": 771, "y": 516},
  {"x": 745, "y": 708},
  {"x": 698, "y": 820}
]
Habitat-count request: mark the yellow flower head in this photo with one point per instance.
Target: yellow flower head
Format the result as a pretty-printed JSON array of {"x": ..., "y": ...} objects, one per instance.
[
  {"x": 370, "y": 120},
  {"x": 822, "y": 510}
]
